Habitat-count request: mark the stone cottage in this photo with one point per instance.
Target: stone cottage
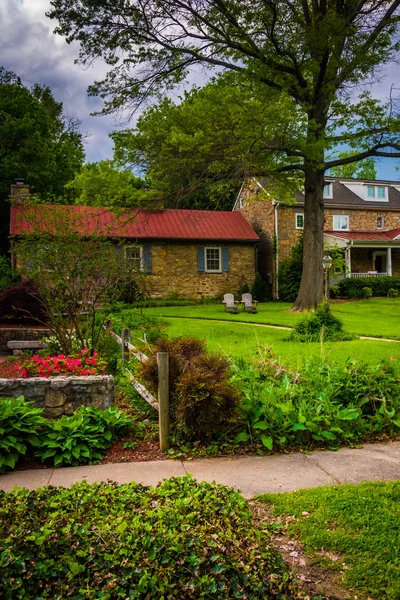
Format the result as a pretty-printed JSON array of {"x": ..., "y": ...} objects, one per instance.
[
  {"x": 192, "y": 253},
  {"x": 361, "y": 216}
]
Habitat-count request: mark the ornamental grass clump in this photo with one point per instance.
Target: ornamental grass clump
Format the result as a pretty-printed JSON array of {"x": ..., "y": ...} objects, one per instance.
[
  {"x": 182, "y": 540},
  {"x": 319, "y": 326},
  {"x": 19, "y": 424}
]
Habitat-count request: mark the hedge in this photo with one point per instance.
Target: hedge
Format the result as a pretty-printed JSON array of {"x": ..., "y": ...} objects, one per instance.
[{"x": 379, "y": 285}]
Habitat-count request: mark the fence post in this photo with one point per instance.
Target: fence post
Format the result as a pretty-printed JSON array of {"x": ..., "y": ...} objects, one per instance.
[
  {"x": 163, "y": 399},
  {"x": 126, "y": 337}
]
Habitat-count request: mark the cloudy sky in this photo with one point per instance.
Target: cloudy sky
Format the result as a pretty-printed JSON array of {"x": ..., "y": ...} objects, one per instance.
[{"x": 30, "y": 49}]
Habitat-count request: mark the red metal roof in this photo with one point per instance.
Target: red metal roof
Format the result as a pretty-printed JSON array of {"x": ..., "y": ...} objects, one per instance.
[
  {"x": 133, "y": 223},
  {"x": 367, "y": 236}
]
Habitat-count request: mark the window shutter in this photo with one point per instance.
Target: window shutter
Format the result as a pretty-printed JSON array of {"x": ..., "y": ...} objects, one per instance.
[
  {"x": 225, "y": 260},
  {"x": 200, "y": 259},
  {"x": 147, "y": 258}
]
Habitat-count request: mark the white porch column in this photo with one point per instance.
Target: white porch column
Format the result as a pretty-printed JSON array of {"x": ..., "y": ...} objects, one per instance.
[
  {"x": 348, "y": 261},
  {"x": 389, "y": 262}
]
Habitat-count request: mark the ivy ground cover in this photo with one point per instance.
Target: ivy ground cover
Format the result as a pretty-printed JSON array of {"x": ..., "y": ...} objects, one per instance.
[
  {"x": 182, "y": 539},
  {"x": 353, "y": 531}
]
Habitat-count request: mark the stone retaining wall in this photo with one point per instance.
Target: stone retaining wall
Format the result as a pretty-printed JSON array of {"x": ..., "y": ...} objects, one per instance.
[{"x": 61, "y": 395}]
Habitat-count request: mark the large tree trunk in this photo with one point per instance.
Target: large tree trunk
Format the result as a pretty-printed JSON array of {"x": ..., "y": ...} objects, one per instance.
[{"x": 312, "y": 281}]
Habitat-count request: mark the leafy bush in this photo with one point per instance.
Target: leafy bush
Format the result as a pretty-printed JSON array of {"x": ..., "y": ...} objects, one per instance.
[
  {"x": 202, "y": 401},
  {"x": 259, "y": 288},
  {"x": 151, "y": 303},
  {"x": 82, "y": 437},
  {"x": 334, "y": 291},
  {"x": 290, "y": 271},
  {"x": 392, "y": 293},
  {"x": 323, "y": 404},
  {"x": 145, "y": 329},
  {"x": 53, "y": 366},
  {"x": 366, "y": 292},
  {"x": 379, "y": 285},
  {"x": 19, "y": 422},
  {"x": 244, "y": 289},
  {"x": 8, "y": 276},
  {"x": 320, "y": 325},
  {"x": 181, "y": 539}
]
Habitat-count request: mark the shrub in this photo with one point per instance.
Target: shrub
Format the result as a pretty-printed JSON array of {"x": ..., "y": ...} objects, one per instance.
[
  {"x": 320, "y": 325},
  {"x": 145, "y": 329},
  {"x": 323, "y": 404},
  {"x": 19, "y": 423},
  {"x": 20, "y": 304},
  {"x": 334, "y": 291},
  {"x": 8, "y": 276},
  {"x": 205, "y": 399},
  {"x": 392, "y": 293},
  {"x": 379, "y": 285},
  {"x": 202, "y": 402},
  {"x": 290, "y": 271},
  {"x": 181, "y": 539},
  {"x": 259, "y": 288},
  {"x": 366, "y": 292},
  {"x": 244, "y": 289},
  {"x": 82, "y": 437},
  {"x": 53, "y": 366}
]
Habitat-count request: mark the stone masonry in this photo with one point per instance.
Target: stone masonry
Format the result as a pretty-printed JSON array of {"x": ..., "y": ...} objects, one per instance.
[
  {"x": 61, "y": 395},
  {"x": 175, "y": 270},
  {"x": 23, "y": 334}
]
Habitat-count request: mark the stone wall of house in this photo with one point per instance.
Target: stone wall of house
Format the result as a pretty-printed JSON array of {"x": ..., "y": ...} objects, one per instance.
[
  {"x": 61, "y": 395},
  {"x": 259, "y": 212},
  {"x": 175, "y": 270},
  {"x": 24, "y": 334},
  {"x": 364, "y": 219}
]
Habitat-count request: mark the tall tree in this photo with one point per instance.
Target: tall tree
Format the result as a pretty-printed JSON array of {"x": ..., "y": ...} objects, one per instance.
[
  {"x": 37, "y": 142},
  {"x": 315, "y": 51},
  {"x": 196, "y": 152},
  {"x": 103, "y": 184}
]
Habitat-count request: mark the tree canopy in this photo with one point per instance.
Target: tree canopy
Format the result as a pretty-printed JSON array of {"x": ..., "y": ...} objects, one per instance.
[
  {"x": 103, "y": 184},
  {"x": 37, "y": 142},
  {"x": 317, "y": 53}
]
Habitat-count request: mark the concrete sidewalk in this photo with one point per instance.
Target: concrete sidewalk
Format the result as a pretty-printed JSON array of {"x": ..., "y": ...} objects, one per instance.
[{"x": 252, "y": 474}]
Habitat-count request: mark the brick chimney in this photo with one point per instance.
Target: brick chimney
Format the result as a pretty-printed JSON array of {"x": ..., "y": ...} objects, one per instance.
[{"x": 19, "y": 191}]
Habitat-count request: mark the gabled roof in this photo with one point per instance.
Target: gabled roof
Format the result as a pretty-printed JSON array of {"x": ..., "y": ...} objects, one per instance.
[
  {"x": 367, "y": 236},
  {"x": 171, "y": 224}
]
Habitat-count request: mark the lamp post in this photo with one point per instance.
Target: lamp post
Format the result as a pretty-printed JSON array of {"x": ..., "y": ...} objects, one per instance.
[{"x": 327, "y": 264}]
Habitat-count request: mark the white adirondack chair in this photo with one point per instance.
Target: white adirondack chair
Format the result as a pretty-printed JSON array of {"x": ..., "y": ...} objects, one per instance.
[
  {"x": 230, "y": 303},
  {"x": 249, "y": 305}
]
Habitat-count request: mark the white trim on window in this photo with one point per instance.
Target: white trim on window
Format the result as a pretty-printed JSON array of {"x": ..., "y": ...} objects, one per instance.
[
  {"x": 373, "y": 193},
  {"x": 342, "y": 222},
  {"x": 212, "y": 258},
  {"x": 328, "y": 191},
  {"x": 298, "y": 225},
  {"x": 130, "y": 250}
]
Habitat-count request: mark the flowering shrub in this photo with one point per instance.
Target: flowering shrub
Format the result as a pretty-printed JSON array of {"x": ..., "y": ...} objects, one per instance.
[{"x": 51, "y": 366}]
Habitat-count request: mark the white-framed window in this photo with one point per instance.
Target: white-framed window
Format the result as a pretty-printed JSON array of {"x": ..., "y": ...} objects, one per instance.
[
  {"x": 328, "y": 191},
  {"x": 380, "y": 222},
  {"x": 376, "y": 193},
  {"x": 212, "y": 260},
  {"x": 135, "y": 256},
  {"x": 340, "y": 223},
  {"x": 299, "y": 221}
]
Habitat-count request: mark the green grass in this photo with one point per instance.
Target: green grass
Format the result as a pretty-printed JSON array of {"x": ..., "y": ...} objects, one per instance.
[
  {"x": 247, "y": 341},
  {"x": 361, "y": 523},
  {"x": 377, "y": 317}
]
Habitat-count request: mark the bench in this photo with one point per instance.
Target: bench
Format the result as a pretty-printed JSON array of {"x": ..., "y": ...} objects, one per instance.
[{"x": 18, "y": 346}]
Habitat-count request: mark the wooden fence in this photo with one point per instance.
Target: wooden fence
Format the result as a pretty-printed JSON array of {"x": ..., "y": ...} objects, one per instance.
[{"x": 161, "y": 404}]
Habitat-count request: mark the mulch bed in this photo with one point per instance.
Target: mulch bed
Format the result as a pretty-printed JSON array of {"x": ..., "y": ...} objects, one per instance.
[
  {"x": 145, "y": 451},
  {"x": 7, "y": 370}
]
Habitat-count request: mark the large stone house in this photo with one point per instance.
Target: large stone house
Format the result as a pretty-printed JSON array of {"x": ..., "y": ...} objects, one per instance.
[
  {"x": 192, "y": 253},
  {"x": 361, "y": 216}
]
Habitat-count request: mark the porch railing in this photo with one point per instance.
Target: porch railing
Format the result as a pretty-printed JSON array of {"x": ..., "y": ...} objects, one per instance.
[{"x": 370, "y": 274}]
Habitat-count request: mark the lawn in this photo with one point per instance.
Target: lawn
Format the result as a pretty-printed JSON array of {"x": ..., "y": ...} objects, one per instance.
[
  {"x": 248, "y": 341},
  {"x": 351, "y": 530},
  {"x": 377, "y": 317}
]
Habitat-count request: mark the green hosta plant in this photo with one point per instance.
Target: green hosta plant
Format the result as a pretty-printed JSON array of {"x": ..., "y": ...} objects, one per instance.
[
  {"x": 19, "y": 423},
  {"x": 82, "y": 437}
]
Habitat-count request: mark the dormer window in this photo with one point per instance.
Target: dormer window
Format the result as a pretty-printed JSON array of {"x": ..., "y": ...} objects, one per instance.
[
  {"x": 328, "y": 191},
  {"x": 376, "y": 193}
]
